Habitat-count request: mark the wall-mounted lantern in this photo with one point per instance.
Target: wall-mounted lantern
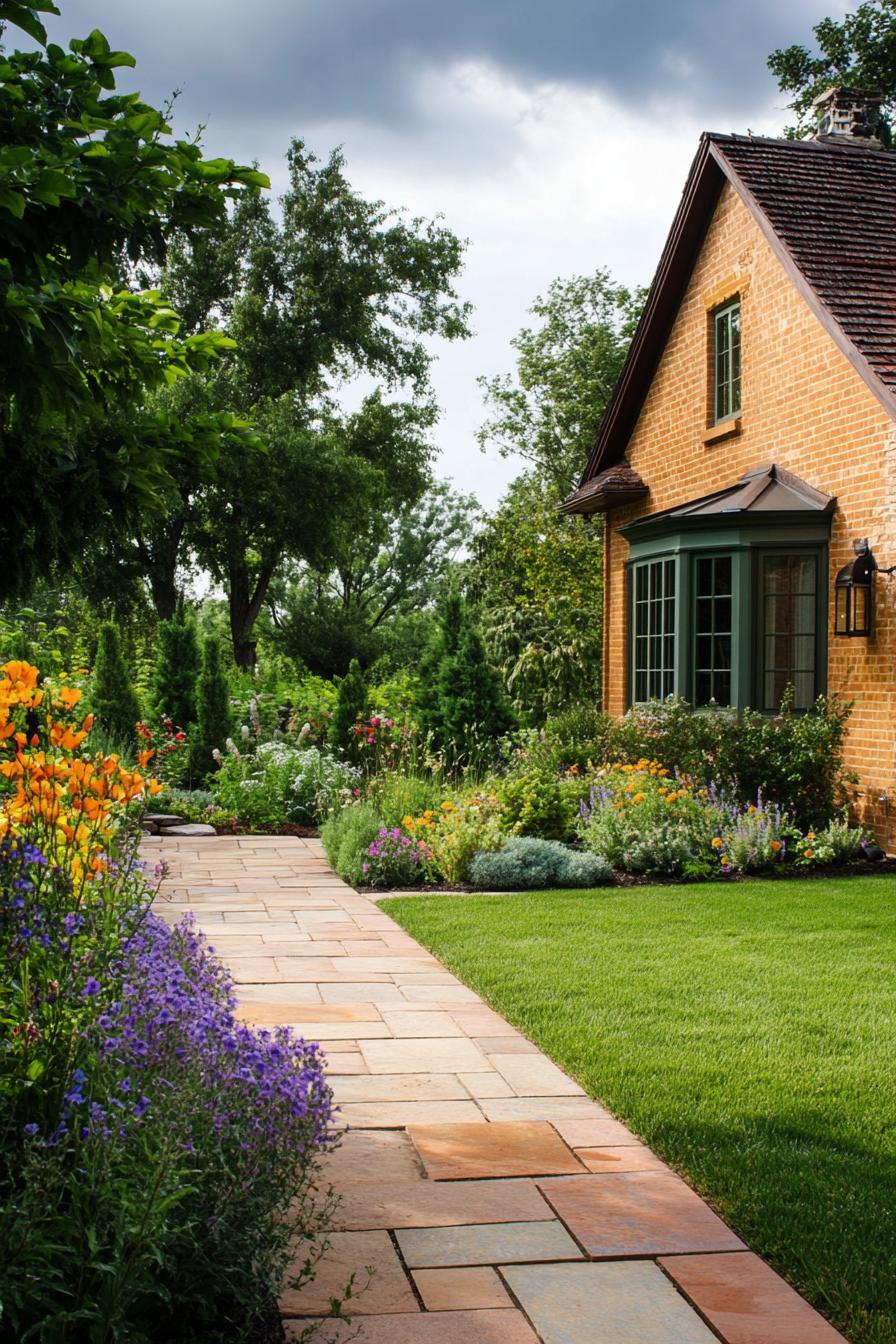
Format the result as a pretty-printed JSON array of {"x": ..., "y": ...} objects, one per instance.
[{"x": 854, "y": 592}]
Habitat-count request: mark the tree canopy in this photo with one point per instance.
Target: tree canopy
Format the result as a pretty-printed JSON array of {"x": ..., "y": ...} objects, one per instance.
[
  {"x": 92, "y": 186},
  {"x": 566, "y": 369},
  {"x": 389, "y": 568},
  {"x": 859, "y": 50}
]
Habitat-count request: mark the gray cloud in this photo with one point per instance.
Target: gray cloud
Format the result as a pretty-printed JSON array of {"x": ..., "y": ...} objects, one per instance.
[{"x": 313, "y": 60}]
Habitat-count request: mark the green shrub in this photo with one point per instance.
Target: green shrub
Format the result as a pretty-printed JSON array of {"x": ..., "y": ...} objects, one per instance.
[
  {"x": 347, "y": 836},
  {"x": 173, "y": 693},
  {"x": 794, "y": 760},
  {"x": 212, "y": 709},
  {"x": 535, "y": 802},
  {"x": 112, "y": 697},
  {"x": 527, "y": 864}
]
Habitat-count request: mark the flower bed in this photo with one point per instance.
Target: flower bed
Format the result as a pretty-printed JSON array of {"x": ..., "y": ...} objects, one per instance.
[{"x": 152, "y": 1146}]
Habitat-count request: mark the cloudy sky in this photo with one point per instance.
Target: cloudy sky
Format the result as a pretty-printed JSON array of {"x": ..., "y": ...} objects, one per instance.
[{"x": 554, "y": 136}]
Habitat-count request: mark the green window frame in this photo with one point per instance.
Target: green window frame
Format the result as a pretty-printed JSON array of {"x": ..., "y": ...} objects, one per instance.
[
  {"x": 726, "y": 361},
  {"x": 729, "y": 616},
  {"x": 654, "y": 610},
  {"x": 714, "y": 623}
]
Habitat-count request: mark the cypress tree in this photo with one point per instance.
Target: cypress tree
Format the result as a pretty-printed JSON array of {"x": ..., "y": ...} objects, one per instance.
[
  {"x": 176, "y": 669},
  {"x": 113, "y": 698},
  {"x": 351, "y": 704},
  {"x": 212, "y": 708},
  {"x": 472, "y": 706}
]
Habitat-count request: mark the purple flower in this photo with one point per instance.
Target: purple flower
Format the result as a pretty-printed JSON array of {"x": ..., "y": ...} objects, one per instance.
[{"x": 91, "y": 987}]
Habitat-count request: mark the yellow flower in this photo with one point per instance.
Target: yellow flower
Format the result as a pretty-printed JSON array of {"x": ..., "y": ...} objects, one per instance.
[
  {"x": 638, "y": 798},
  {"x": 717, "y": 843},
  {"x": 448, "y": 806}
]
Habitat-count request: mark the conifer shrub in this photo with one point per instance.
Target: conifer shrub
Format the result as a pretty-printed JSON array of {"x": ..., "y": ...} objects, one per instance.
[
  {"x": 176, "y": 669},
  {"x": 351, "y": 703},
  {"x": 527, "y": 864},
  {"x": 463, "y": 706},
  {"x": 347, "y": 836},
  {"x": 113, "y": 698},
  {"x": 212, "y": 708}
]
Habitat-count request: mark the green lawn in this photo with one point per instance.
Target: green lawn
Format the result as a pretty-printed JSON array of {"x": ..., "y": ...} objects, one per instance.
[{"x": 746, "y": 1032}]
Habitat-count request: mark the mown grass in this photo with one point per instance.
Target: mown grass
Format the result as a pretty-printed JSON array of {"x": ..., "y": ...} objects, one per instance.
[{"x": 746, "y": 1032}]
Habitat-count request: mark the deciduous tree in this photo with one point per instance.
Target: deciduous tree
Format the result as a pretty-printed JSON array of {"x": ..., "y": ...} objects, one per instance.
[{"x": 92, "y": 185}]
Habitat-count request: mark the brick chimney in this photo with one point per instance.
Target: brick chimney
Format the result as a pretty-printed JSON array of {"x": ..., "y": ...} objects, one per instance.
[{"x": 847, "y": 117}]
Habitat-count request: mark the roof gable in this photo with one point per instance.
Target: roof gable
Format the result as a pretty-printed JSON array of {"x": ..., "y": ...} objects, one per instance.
[{"x": 829, "y": 214}]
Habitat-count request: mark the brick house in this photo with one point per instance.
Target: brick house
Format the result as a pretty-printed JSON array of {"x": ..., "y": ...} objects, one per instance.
[{"x": 746, "y": 464}]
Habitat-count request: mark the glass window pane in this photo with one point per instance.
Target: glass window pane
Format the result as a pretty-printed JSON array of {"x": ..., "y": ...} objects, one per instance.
[
  {"x": 654, "y": 642},
  {"x": 789, "y": 617},
  {"x": 712, "y": 629}
]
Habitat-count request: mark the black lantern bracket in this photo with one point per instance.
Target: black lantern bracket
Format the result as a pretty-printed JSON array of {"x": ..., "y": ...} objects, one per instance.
[{"x": 854, "y": 592}]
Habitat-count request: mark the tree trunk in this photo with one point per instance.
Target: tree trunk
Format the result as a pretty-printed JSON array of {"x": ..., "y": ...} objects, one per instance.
[{"x": 244, "y": 604}]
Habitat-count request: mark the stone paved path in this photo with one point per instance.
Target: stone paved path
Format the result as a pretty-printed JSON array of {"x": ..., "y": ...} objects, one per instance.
[{"x": 494, "y": 1201}]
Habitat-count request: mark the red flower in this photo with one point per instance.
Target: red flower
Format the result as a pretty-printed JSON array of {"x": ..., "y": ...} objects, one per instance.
[{"x": 180, "y": 737}]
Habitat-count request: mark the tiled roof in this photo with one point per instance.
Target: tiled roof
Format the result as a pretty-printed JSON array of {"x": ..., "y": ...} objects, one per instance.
[
  {"x": 834, "y": 208},
  {"x": 766, "y": 489},
  {"x": 619, "y": 484},
  {"x": 828, "y": 211}
]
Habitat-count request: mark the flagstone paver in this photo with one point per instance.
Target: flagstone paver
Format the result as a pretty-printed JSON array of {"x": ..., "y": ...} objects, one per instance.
[
  {"x": 637, "y": 1213},
  {"x": 472, "y": 1164},
  {"x": 463, "y": 1152},
  {"x": 746, "y": 1301},
  {"x": 605, "y": 1304},
  {"x": 460, "y": 1289},
  {"x": 425, "y": 1204},
  {"x": 380, "y": 1285},
  {"x": 486, "y": 1244}
]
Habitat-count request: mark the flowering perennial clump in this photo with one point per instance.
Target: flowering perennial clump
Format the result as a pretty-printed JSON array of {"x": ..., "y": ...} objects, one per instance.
[
  {"x": 156, "y": 1155},
  {"x": 395, "y": 859},
  {"x": 457, "y": 830}
]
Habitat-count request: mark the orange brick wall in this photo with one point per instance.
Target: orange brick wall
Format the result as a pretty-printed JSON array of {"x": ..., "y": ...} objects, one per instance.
[{"x": 805, "y": 408}]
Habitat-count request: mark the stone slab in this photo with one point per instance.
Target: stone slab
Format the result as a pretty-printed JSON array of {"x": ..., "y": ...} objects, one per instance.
[
  {"x": 540, "y": 1108},
  {"x": 399, "y": 1087},
  {"x": 410, "y": 1024},
  {"x": 627, "y": 1303},
  {"x": 634, "y": 1157},
  {"x": 637, "y": 1213},
  {"x": 462, "y": 1152},
  {"x": 365, "y": 991},
  {"x": 425, "y": 1055},
  {"x": 486, "y": 1244},
  {"x": 380, "y": 1283},
  {"x": 441, "y": 1204},
  {"x": 400, "y": 1114},
  {"x": 430, "y": 1327},
  {"x": 460, "y": 1289},
  {"x": 746, "y": 1302},
  {"x": 535, "y": 1076},
  {"x": 371, "y": 1157},
  {"x": 601, "y": 1130}
]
